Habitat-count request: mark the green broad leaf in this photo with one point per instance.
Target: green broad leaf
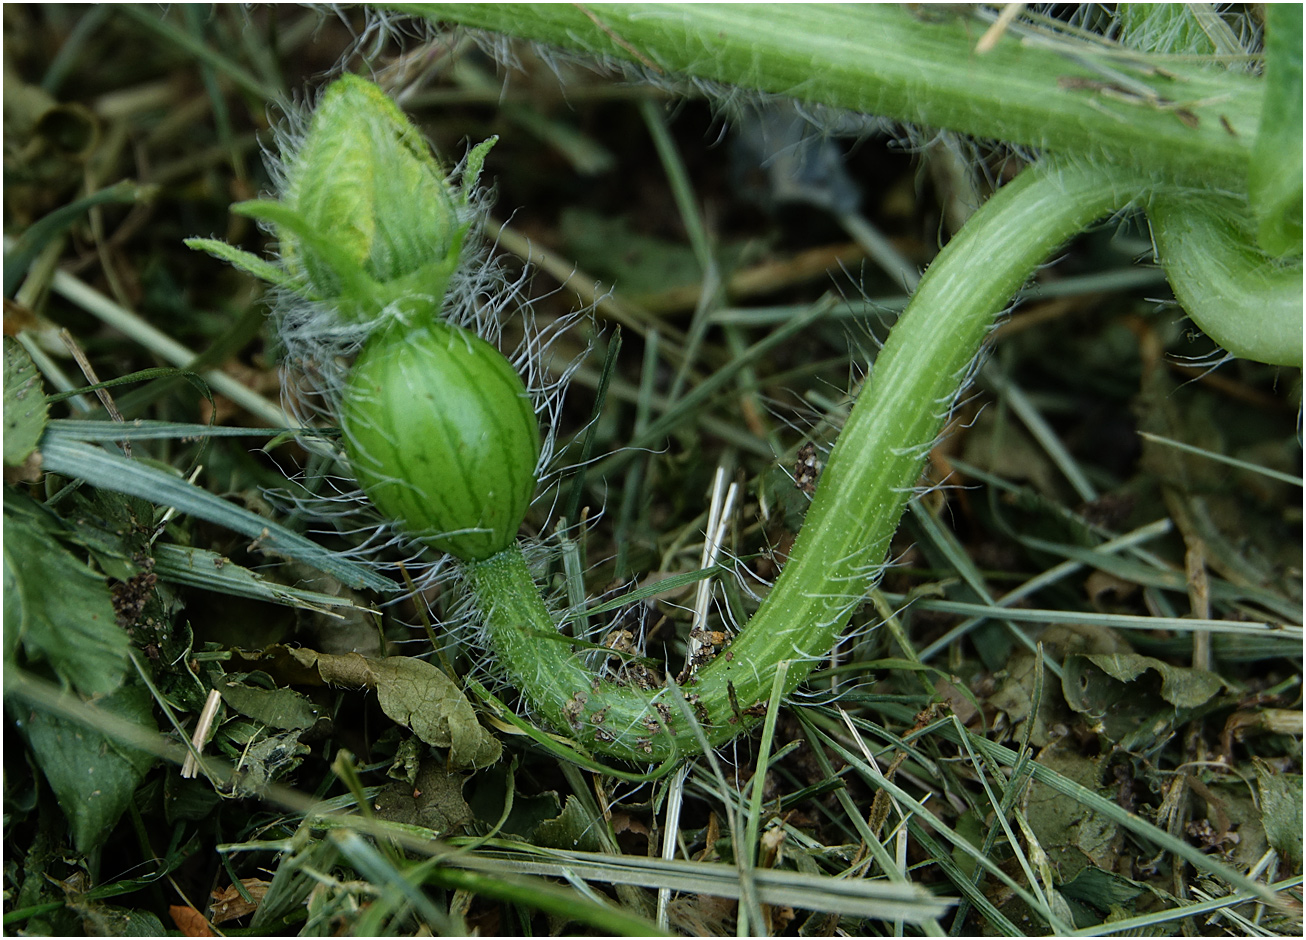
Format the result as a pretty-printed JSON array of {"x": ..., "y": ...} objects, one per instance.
[
  {"x": 488, "y": 801},
  {"x": 572, "y": 830},
  {"x": 93, "y": 776},
  {"x": 114, "y": 529},
  {"x": 1074, "y": 836},
  {"x": 285, "y": 709},
  {"x": 1103, "y": 889},
  {"x": 635, "y": 263},
  {"x": 267, "y": 760},
  {"x": 106, "y": 920},
  {"x": 60, "y": 610},
  {"x": 1136, "y": 700},
  {"x": 26, "y": 409},
  {"x": 1275, "y": 177},
  {"x": 247, "y": 262},
  {"x": 188, "y": 799},
  {"x": 13, "y": 610},
  {"x": 432, "y": 799},
  {"x": 135, "y": 478},
  {"x": 1181, "y": 687},
  {"x": 198, "y": 567},
  {"x": 1281, "y": 811}
]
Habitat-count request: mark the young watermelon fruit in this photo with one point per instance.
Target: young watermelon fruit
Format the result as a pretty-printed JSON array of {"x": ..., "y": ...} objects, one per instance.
[{"x": 442, "y": 437}]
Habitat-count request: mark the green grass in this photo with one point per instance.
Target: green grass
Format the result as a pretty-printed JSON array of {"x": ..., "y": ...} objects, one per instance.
[{"x": 1071, "y": 705}]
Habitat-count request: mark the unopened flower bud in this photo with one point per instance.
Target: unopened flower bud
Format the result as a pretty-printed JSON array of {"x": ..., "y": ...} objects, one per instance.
[
  {"x": 367, "y": 216},
  {"x": 371, "y": 199}
]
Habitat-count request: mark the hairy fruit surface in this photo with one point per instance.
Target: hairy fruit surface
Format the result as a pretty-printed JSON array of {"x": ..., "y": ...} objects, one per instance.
[{"x": 442, "y": 437}]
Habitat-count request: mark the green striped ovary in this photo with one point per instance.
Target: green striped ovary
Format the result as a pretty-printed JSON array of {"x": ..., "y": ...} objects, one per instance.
[{"x": 441, "y": 435}]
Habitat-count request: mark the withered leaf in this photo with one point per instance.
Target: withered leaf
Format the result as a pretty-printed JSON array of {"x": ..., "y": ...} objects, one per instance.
[
  {"x": 418, "y": 696},
  {"x": 229, "y": 905}
]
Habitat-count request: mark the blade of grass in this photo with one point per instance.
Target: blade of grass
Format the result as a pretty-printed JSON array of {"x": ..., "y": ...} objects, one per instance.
[
  {"x": 1289, "y": 634},
  {"x": 1041, "y": 431},
  {"x": 571, "y": 514},
  {"x": 851, "y": 810},
  {"x": 959, "y": 560},
  {"x": 682, "y": 191},
  {"x": 382, "y": 872},
  {"x": 1138, "y": 926},
  {"x": 135, "y": 478},
  {"x": 159, "y": 343},
  {"x": 606, "y": 301},
  {"x": 852, "y": 897},
  {"x": 873, "y": 775},
  {"x": 750, "y": 907},
  {"x": 20, "y": 254},
  {"x": 175, "y": 38},
  {"x": 198, "y": 567},
  {"x": 1147, "y": 574},
  {"x": 698, "y": 397},
  {"x": 1222, "y": 458},
  {"x": 753, "y": 827},
  {"x": 1135, "y": 824},
  {"x": 542, "y": 896},
  {"x": 100, "y": 432},
  {"x": 633, "y": 499}
]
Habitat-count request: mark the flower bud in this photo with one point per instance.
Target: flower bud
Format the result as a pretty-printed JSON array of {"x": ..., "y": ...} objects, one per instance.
[
  {"x": 367, "y": 217},
  {"x": 366, "y": 181}
]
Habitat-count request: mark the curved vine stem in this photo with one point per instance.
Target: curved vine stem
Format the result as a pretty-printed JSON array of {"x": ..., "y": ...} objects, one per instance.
[
  {"x": 1248, "y": 302},
  {"x": 867, "y": 481},
  {"x": 920, "y": 65}
]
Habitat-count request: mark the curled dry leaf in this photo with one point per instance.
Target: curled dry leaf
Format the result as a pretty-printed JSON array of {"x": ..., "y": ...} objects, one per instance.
[
  {"x": 229, "y": 904},
  {"x": 418, "y": 696}
]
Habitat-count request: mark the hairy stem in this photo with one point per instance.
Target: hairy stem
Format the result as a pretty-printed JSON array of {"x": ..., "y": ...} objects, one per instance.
[
  {"x": 1193, "y": 123},
  {"x": 864, "y": 488}
]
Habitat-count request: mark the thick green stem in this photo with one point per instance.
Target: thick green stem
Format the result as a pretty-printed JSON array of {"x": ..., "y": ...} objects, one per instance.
[
  {"x": 1248, "y": 302},
  {"x": 863, "y": 490},
  {"x": 1192, "y": 123}
]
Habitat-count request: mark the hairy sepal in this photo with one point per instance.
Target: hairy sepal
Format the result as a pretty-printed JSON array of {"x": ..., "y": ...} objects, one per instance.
[{"x": 441, "y": 435}]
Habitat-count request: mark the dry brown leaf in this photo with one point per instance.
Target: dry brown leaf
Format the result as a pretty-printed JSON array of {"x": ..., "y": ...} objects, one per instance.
[
  {"x": 624, "y": 822},
  {"x": 189, "y": 921},
  {"x": 229, "y": 905}
]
